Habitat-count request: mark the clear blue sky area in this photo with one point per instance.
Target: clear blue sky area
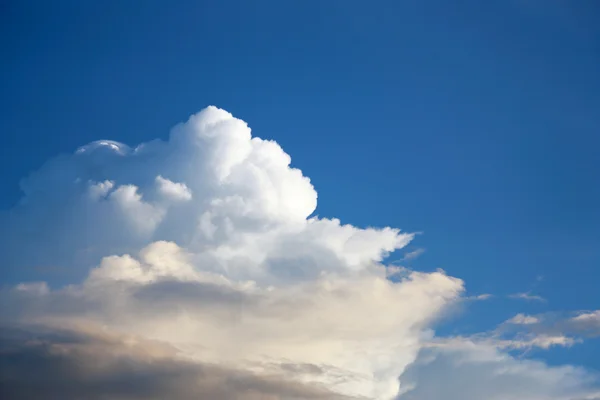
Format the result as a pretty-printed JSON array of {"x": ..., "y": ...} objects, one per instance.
[{"x": 474, "y": 122}]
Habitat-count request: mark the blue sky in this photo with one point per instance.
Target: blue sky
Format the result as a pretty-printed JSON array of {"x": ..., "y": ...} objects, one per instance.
[{"x": 475, "y": 123}]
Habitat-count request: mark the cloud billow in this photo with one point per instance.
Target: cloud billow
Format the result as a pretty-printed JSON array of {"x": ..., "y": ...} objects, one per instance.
[{"x": 199, "y": 272}]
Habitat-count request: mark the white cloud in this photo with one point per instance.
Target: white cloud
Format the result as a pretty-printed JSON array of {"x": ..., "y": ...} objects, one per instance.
[
  {"x": 542, "y": 341},
  {"x": 173, "y": 190},
  {"x": 592, "y": 317},
  {"x": 522, "y": 319},
  {"x": 248, "y": 206},
  {"x": 575, "y": 325},
  {"x": 222, "y": 260},
  {"x": 587, "y": 323},
  {"x": 519, "y": 341},
  {"x": 520, "y": 333},
  {"x": 360, "y": 329},
  {"x": 466, "y": 370},
  {"x": 205, "y": 243},
  {"x": 144, "y": 217},
  {"x": 411, "y": 255},
  {"x": 480, "y": 297},
  {"x": 527, "y": 296}
]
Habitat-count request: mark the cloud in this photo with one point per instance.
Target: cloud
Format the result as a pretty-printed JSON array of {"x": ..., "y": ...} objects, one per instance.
[
  {"x": 580, "y": 325},
  {"x": 542, "y": 341},
  {"x": 206, "y": 243},
  {"x": 69, "y": 365},
  {"x": 522, "y": 333},
  {"x": 198, "y": 269},
  {"x": 521, "y": 341},
  {"x": 360, "y": 330},
  {"x": 522, "y": 319},
  {"x": 172, "y": 190},
  {"x": 411, "y": 255},
  {"x": 480, "y": 297},
  {"x": 465, "y": 370},
  {"x": 527, "y": 297},
  {"x": 587, "y": 321},
  {"x": 211, "y": 188}
]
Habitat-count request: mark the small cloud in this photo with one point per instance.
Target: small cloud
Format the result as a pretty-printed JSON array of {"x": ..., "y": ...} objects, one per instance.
[
  {"x": 411, "y": 255},
  {"x": 522, "y": 319},
  {"x": 540, "y": 341},
  {"x": 578, "y": 325},
  {"x": 522, "y": 341},
  {"x": 480, "y": 297},
  {"x": 593, "y": 316},
  {"x": 526, "y": 296},
  {"x": 587, "y": 322}
]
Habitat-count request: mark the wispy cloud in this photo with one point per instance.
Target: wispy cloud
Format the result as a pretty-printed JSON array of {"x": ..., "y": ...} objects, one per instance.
[
  {"x": 413, "y": 254},
  {"x": 466, "y": 368},
  {"x": 522, "y": 319},
  {"x": 480, "y": 297},
  {"x": 576, "y": 326},
  {"x": 526, "y": 296}
]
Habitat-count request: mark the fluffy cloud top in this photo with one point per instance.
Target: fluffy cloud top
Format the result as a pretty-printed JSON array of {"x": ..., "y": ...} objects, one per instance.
[
  {"x": 212, "y": 189},
  {"x": 205, "y": 245},
  {"x": 205, "y": 242}
]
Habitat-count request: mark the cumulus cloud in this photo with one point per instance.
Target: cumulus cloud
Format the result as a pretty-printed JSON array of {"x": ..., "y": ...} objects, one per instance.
[
  {"x": 206, "y": 242},
  {"x": 211, "y": 188},
  {"x": 172, "y": 190},
  {"x": 203, "y": 248},
  {"x": 359, "y": 329}
]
